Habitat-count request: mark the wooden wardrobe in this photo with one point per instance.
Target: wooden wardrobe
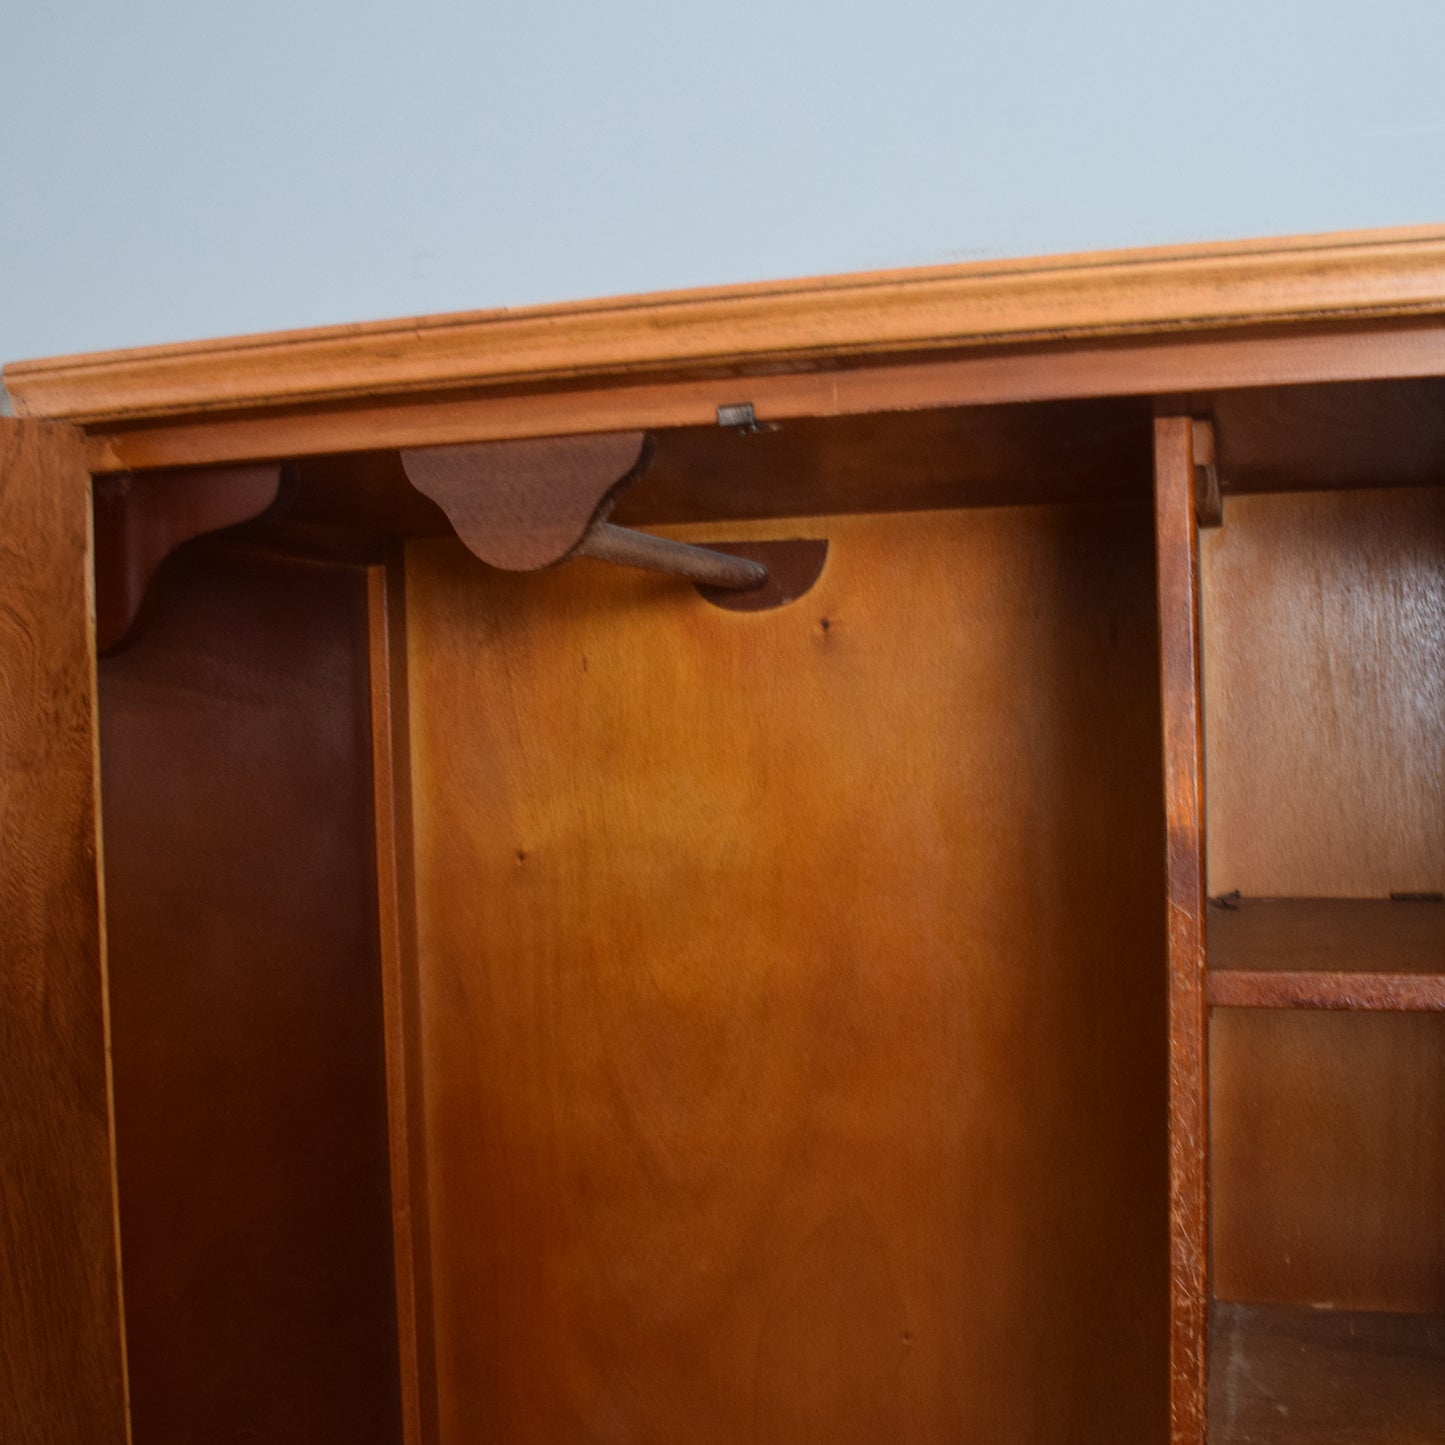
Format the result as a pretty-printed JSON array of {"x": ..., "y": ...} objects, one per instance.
[{"x": 984, "y": 987}]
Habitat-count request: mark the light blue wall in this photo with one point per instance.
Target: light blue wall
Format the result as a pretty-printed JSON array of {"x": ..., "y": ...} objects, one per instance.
[{"x": 181, "y": 168}]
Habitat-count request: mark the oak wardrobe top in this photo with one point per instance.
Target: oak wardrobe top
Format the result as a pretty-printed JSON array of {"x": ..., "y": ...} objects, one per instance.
[{"x": 1176, "y": 320}]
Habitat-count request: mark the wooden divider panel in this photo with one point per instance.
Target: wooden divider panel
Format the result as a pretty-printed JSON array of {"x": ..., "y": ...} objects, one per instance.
[
  {"x": 1177, "y": 541},
  {"x": 792, "y": 991}
]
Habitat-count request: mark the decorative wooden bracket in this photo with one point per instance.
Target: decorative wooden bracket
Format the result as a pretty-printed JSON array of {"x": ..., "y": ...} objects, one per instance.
[
  {"x": 141, "y": 518},
  {"x": 523, "y": 505}
]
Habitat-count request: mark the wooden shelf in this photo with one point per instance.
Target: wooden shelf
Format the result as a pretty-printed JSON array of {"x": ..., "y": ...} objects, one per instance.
[
  {"x": 1331, "y": 953},
  {"x": 1282, "y": 1375}
]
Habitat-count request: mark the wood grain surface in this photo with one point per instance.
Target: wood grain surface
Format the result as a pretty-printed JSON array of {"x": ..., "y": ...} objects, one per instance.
[
  {"x": 773, "y": 1090},
  {"x": 1177, "y": 546},
  {"x": 62, "y": 1368},
  {"x": 522, "y": 505},
  {"x": 1328, "y": 1152},
  {"x": 249, "y": 1080},
  {"x": 1175, "y": 365},
  {"x": 787, "y": 323},
  {"x": 1361, "y": 434},
  {"x": 1080, "y": 451},
  {"x": 141, "y": 520},
  {"x": 401, "y": 1004},
  {"x": 1324, "y": 618},
  {"x": 1326, "y": 1377},
  {"x": 1345, "y": 953},
  {"x": 1096, "y": 451}
]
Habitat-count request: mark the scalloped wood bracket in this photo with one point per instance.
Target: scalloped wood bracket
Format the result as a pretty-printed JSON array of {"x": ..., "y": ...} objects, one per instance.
[
  {"x": 141, "y": 518},
  {"x": 524, "y": 505}
]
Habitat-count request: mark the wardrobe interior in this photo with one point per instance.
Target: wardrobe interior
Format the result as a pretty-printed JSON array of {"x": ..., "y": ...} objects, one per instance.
[{"x": 552, "y": 1006}]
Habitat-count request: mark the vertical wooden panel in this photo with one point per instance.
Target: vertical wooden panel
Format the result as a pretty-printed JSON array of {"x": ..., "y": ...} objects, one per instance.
[
  {"x": 1325, "y": 674},
  {"x": 396, "y": 900},
  {"x": 792, "y": 990},
  {"x": 1178, "y": 559},
  {"x": 250, "y": 1088},
  {"x": 62, "y": 1368}
]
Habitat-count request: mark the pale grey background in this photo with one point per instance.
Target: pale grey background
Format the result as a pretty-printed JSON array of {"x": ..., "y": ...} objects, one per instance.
[{"x": 180, "y": 168}]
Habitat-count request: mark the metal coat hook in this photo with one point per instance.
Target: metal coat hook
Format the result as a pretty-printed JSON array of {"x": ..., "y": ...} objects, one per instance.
[{"x": 627, "y": 548}]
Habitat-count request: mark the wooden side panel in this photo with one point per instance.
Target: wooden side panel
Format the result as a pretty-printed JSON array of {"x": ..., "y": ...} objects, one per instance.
[
  {"x": 1177, "y": 541},
  {"x": 792, "y": 992},
  {"x": 250, "y": 1090},
  {"x": 1324, "y": 615},
  {"x": 62, "y": 1370},
  {"x": 1328, "y": 1148}
]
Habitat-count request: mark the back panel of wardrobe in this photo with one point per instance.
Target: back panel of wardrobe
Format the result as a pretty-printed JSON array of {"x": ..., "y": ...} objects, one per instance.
[{"x": 791, "y": 990}]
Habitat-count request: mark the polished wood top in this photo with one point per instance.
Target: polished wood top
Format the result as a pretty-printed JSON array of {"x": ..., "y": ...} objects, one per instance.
[{"x": 807, "y": 324}]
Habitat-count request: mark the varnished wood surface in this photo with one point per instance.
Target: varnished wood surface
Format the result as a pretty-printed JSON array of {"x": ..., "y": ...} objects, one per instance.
[
  {"x": 1327, "y": 953},
  {"x": 250, "y": 1095},
  {"x": 1185, "y": 364},
  {"x": 141, "y": 520},
  {"x": 1349, "y": 434},
  {"x": 1324, "y": 656},
  {"x": 62, "y": 1369},
  {"x": 526, "y": 504},
  {"x": 1326, "y": 1377},
  {"x": 1177, "y": 548},
  {"x": 1064, "y": 451},
  {"x": 396, "y": 915},
  {"x": 792, "y": 323},
  {"x": 1095, "y": 451},
  {"x": 773, "y": 1091},
  {"x": 1328, "y": 1158}
]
